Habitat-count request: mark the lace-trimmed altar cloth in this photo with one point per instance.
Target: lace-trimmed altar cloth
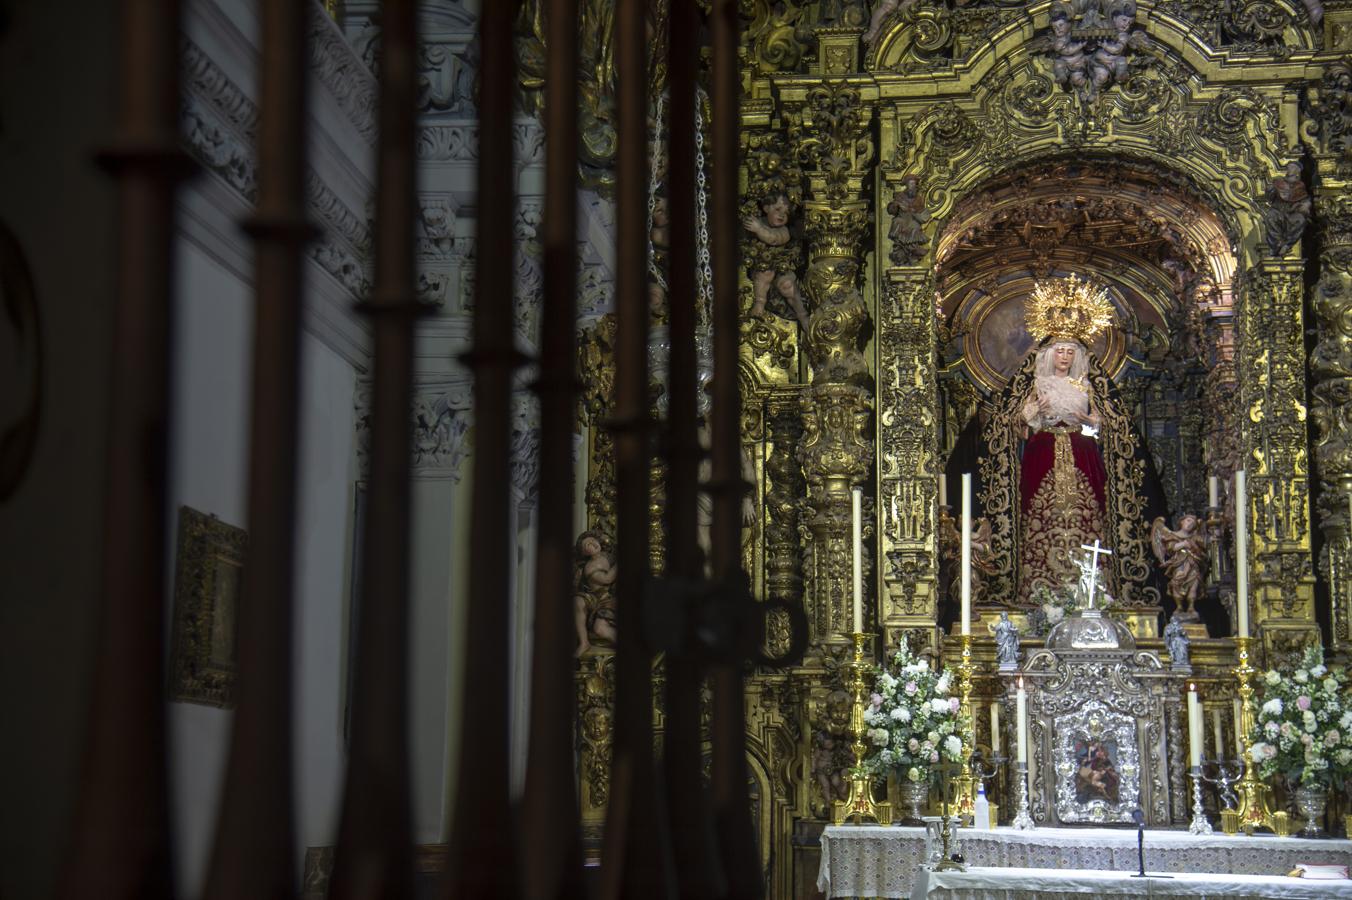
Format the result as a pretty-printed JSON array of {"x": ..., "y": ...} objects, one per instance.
[
  {"x": 1076, "y": 884},
  {"x": 877, "y": 861}
]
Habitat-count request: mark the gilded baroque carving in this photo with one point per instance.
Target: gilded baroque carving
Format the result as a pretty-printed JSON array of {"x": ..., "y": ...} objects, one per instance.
[{"x": 1272, "y": 387}]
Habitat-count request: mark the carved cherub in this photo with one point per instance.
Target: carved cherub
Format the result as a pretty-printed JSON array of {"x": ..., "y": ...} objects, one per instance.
[
  {"x": 1109, "y": 63},
  {"x": 1182, "y": 554},
  {"x": 1070, "y": 64},
  {"x": 907, "y": 230},
  {"x": 1288, "y": 210},
  {"x": 827, "y": 769},
  {"x": 772, "y": 256},
  {"x": 594, "y": 600}
]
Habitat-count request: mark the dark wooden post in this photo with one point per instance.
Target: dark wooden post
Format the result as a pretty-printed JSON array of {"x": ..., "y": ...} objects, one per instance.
[
  {"x": 693, "y": 839},
  {"x": 255, "y": 838},
  {"x": 120, "y": 841},
  {"x": 636, "y": 856},
  {"x": 549, "y": 808},
  {"x": 374, "y": 855},
  {"x": 741, "y": 862},
  {"x": 483, "y": 839}
]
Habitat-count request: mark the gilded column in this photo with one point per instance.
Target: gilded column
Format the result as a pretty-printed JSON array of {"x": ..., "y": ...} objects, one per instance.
[
  {"x": 1272, "y": 396},
  {"x": 829, "y": 129},
  {"x": 1330, "y": 137},
  {"x": 908, "y": 430}
]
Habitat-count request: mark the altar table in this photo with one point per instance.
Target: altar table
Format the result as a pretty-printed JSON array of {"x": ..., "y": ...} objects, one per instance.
[
  {"x": 1075, "y": 884},
  {"x": 881, "y": 861}
]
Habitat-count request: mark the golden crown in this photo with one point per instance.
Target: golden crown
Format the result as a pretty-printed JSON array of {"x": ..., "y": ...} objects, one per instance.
[{"x": 1069, "y": 308}]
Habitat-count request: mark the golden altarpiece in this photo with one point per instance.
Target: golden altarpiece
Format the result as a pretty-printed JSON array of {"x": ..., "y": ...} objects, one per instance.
[{"x": 909, "y": 171}]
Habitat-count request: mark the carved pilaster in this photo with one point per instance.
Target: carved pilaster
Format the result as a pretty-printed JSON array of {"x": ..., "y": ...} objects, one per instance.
[
  {"x": 908, "y": 429},
  {"x": 835, "y": 453},
  {"x": 1330, "y": 137},
  {"x": 784, "y": 486},
  {"x": 1272, "y": 396},
  {"x": 829, "y": 129}
]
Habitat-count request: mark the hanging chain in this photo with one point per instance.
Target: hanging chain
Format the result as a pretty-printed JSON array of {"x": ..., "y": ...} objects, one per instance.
[
  {"x": 653, "y": 268},
  {"x": 704, "y": 274}
]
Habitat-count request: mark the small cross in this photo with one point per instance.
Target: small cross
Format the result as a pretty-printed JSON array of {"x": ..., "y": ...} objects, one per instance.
[{"x": 1093, "y": 562}]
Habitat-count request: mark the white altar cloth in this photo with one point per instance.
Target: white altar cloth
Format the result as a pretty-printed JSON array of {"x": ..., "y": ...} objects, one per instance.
[
  {"x": 881, "y": 861},
  {"x": 1075, "y": 884}
]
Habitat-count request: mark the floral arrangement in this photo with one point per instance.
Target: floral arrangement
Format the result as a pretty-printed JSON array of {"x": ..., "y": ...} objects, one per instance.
[
  {"x": 1303, "y": 730},
  {"x": 912, "y": 718},
  {"x": 1053, "y": 606}
]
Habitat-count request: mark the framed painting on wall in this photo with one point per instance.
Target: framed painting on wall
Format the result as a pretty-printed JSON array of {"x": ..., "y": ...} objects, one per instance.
[{"x": 207, "y": 582}]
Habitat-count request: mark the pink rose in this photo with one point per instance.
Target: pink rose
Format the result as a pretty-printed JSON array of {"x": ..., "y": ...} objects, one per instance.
[
  {"x": 876, "y": 699},
  {"x": 1303, "y": 702},
  {"x": 934, "y": 757},
  {"x": 910, "y": 687},
  {"x": 953, "y": 704},
  {"x": 1306, "y": 739}
]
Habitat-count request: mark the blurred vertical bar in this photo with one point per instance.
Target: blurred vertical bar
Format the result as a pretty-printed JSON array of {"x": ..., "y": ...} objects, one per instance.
[
  {"x": 120, "y": 835},
  {"x": 374, "y": 855},
  {"x": 693, "y": 842},
  {"x": 741, "y": 859},
  {"x": 256, "y": 848},
  {"x": 636, "y": 855},
  {"x": 550, "y": 834},
  {"x": 483, "y": 838}
]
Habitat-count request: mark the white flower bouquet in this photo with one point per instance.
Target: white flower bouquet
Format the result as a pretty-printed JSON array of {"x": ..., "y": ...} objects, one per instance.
[
  {"x": 1303, "y": 730},
  {"x": 913, "y": 718}
]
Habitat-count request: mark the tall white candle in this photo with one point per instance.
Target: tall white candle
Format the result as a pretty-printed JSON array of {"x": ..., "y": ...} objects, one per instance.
[
  {"x": 966, "y": 553},
  {"x": 1214, "y": 492},
  {"x": 943, "y": 489},
  {"x": 1021, "y": 715},
  {"x": 1194, "y": 728},
  {"x": 1242, "y": 552},
  {"x": 1216, "y": 733},
  {"x": 1239, "y": 727},
  {"x": 995, "y": 727},
  {"x": 858, "y": 505}
]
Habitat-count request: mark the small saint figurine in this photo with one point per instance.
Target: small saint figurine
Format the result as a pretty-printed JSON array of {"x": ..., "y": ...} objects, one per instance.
[
  {"x": 594, "y": 599},
  {"x": 1182, "y": 554},
  {"x": 1006, "y": 643},
  {"x": 907, "y": 230},
  {"x": 1288, "y": 211},
  {"x": 1176, "y": 642}
]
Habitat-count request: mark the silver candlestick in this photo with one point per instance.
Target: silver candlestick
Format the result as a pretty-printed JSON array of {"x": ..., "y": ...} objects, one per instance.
[
  {"x": 1199, "y": 824},
  {"x": 1023, "y": 821}
]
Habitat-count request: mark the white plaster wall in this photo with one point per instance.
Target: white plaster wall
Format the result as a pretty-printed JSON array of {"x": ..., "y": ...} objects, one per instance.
[
  {"x": 209, "y": 438},
  {"x": 212, "y": 384},
  {"x": 433, "y": 534}
]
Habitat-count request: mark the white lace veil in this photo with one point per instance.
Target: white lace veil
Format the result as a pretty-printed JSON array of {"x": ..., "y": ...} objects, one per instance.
[{"x": 1046, "y": 365}]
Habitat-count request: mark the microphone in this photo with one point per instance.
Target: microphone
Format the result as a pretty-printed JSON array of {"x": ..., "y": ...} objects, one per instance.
[{"x": 1138, "y": 816}]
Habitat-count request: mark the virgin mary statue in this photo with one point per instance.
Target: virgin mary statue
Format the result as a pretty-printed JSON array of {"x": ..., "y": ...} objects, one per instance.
[{"x": 1063, "y": 465}]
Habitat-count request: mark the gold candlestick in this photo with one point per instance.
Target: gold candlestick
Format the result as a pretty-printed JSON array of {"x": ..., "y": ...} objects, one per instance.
[
  {"x": 1255, "y": 806},
  {"x": 966, "y": 800},
  {"x": 860, "y": 804}
]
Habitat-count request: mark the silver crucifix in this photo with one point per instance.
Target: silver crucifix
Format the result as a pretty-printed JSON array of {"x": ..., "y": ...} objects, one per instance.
[{"x": 1092, "y": 565}]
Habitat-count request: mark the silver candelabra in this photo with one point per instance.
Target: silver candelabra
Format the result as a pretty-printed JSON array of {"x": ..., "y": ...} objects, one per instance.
[
  {"x": 1199, "y": 824},
  {"x": 1023, "y": 821}
]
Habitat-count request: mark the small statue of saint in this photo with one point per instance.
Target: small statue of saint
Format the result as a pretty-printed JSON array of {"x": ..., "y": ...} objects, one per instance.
[
  {"x": 1288, "y": 210},
  {"x": 1176, "y": 642},
  {"x": 1006, "y": 643},
  {"x": 1182, "y": 555}
]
